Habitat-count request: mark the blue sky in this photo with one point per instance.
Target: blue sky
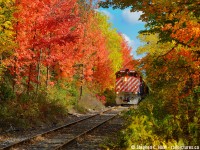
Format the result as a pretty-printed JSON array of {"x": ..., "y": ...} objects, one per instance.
[{"x": 127, "y": 23}]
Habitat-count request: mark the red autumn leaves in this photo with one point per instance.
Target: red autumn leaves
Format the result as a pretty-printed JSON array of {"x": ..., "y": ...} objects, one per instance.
[{"x": 53, "y": 36}]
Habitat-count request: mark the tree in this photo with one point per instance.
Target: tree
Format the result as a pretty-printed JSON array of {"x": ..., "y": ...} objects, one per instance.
[
  {"x": 6, "y": 32},
  {"x": 173, "y": 20},
  {"x": 113, "y": 42},
  {"x": 128, "y": 60},
  {"x": 170, "y": 72},
  {"x": 93, "y": 54},
  {"x": 45, "y": 33}
]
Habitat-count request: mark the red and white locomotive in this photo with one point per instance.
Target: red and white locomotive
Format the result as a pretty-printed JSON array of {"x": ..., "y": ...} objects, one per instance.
[{"x": 130, "y": 88}]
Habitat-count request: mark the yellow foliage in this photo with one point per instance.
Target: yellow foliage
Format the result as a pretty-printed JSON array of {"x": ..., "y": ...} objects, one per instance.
[
  {"x": 151, "y": 45},
  {"x": 113, "y": 42},
  {"x": 6, "y": 30}
]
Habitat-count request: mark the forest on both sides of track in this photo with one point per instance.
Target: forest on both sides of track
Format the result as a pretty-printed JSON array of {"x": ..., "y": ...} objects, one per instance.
[{"x": 51, "y": 52}]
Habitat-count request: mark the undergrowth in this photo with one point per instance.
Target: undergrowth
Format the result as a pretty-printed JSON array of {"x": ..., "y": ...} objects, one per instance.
[
  {"x": 152, "y": 124},
  {"x": 49, "y": 105},
  {"x": 30, "y": 109}
]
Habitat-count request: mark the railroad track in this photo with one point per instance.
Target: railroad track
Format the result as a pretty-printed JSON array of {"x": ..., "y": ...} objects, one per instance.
[{"x": 59, "y": 137}]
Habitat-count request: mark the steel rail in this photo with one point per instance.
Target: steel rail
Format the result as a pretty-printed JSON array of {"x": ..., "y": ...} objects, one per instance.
[
  {"x": 85, "y": 132},
  {"x": 28, "y": 139}
]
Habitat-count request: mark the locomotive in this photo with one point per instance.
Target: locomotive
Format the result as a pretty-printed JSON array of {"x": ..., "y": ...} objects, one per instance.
[{"x": 130, "y": 88}]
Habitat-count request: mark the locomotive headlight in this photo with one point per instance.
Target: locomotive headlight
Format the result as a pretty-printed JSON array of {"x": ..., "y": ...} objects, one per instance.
[
  {"x": 125, "y": 79},
  {"x": 117, "y": 92}
]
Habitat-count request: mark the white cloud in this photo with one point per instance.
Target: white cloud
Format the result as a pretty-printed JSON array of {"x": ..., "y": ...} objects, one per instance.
[
  {"x": 130, "y": 42},
  {"x": 107, "y": 13},
  {"x": 131, "y": 17},
  {"x": 134, "y": 45}
]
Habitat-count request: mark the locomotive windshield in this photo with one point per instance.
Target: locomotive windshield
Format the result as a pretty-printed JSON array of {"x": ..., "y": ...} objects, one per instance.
[
  {"x": 120, "y": 74},
  {"x": 132, "y": 74},
  {"x": 123, "y": 73}
]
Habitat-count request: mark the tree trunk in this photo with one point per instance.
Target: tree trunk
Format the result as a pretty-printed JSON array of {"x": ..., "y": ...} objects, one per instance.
[
  {"x": 38, "y": 68},
  {"x": 47, "y": 77},
  {"x": 29, "y": 79}
]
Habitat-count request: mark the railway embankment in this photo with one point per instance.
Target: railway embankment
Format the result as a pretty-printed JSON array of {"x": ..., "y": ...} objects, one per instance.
[{"x": 89, "y": 131}]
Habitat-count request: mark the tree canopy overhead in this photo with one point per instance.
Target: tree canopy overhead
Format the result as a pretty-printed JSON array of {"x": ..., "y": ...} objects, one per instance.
[{"x": 174, "y": 17}]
